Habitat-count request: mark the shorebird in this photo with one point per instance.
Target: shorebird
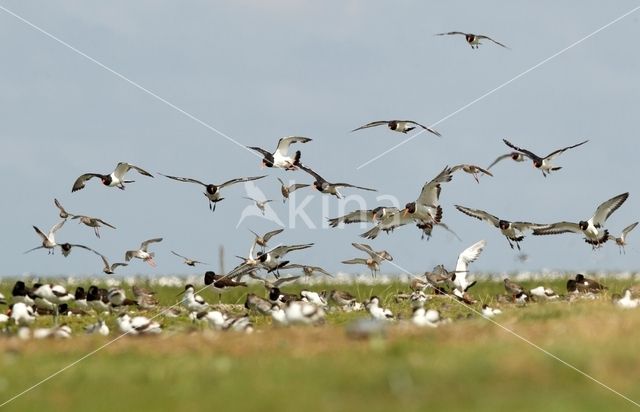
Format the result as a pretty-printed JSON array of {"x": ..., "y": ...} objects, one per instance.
[
  {"x": 515, "y": 156},
  {"x": 513, "y": 288},
  {"x": 138, "y": 325},
  {"x": 425, "y": 318},
  {"x": 513, "y": 231},
  {"x": 262, "y": 240},
  {"x": 278, "y": 296},
  {"x": 114, "y": 179},
  {"x": 459, "y": 278},
  {"x": 98, "y": 299},
  {"x": 255, "y": 302},
  {"x": 146, "y": 298},
  {"x": 401, "y": 126},
  {"x": 592, "y": 229},
  {"x": 212, "y": 191},
  {"x": 56, "y": 294},
  {"x": 298, "y": 313},
  {"x": 287, "y": 190},
  {"x": 93, "y": 222},
  {"x": 387, "y": 220},
  {"x": 307, "y": 270},
  {"x": 472, "y": 39},
  {"x": 260, "y": 204},
  {"x": 189, "y": 261},
  {"x": 313, "y": 297},
  {"x": 426, "y": 208},
  {"x": 358, "y": 216},
  {"x": 621, "y": 241},
  {"x": 49, "y": 239},
  {"x": 99, "y": 328},
  {"x": 63, "y": 213},
  {"x": 221, "y": 283},
  {"x": 20, "y": 293},
  {"x": 377, "y": 312},
  {"x": 80, "y": 299},
  {"x": 543, "y": 163},
  {"x": 22, "y": 314},
  {"x": 57, "y": 332},
  {"x": 280, "y": 158},
  {"x": 324, "y": 186},
  {"x": 490, "y": 312},
  {"x": 142, "y": 253},
  {"x": 109, "y": 269},
  {"x": 584, "y": 284},
  {"x": 379, "y": 256},
  {"x": 66, "y": 247},
  {"x": 272, "y": 259},
  {"x": 193, "y": 302},
  {"x": 473, "y": 170},
  {"x": 427, "y": 229},
  {"x": 625, "y": 301},
  {"x": 117, "y": 297},
  {"x": 544, "y": 293}
]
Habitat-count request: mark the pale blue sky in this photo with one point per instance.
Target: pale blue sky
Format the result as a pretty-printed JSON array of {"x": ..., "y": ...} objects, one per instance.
[{"x": 260, "y": 70}]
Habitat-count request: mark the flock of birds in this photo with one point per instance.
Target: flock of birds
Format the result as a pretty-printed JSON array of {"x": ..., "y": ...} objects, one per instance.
[{"x": 308, "y": 307}]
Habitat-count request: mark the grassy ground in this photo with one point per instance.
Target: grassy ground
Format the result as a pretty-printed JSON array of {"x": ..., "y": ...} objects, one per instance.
[{"x": 470, "y": 364}]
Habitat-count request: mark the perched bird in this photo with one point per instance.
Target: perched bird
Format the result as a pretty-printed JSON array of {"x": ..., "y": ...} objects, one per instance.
[
  {"x": 287, "y": 190},
  {"x": 98, "y": 299},
  {"x": 63, "y": 213},
  {"x": 117, "y": 297},
  {"x": 588, "y": 285},
  {"x": 142, "y": 253},
  {"x": 55, "y": 294},
  {"x": 489, "y": 312},
  {"x": 193, "y": 302},
  {"x": 513, "y": 288},
  {"x": 221, "y": 283},
  {"x": 146, "y": 298},
  {"x": 20, "y": 293},
  {"x": 189, "y": 261},
  {"x": 109, "y": 269},
  {"x": 401, "y": 126},
  {"x": 214, "y": 318},
  {"x": 377, "y": 312},
  {"x": 307, "y": 270},
  {"x": 114, "y": 179},
  {"x": 592, "y": 229},
  {"x": 264, "y": 239},
  {"x": 22, "y": 314},
  {"x": 625, "y": 301},
  {"x": 543, "y": 163},
  {"x": 323, "y": 186},
  {"x": 212, "y": 191},
  {"x": 544, "y": 293},
  {"x": 260, "y": 204},
  {"x": 80, "y": 299},
  {"x": 513, "y": 231},
  {"x": 313, "y": 297},
  {"x": 255, "y": 302},
  {"x": 473, "y": 170},
  {"x": 341, "y": 298},
  {"x": 472, "y": 39},
  {"x": 458, "y": 278},
  {"x": 49, "y": 239},
  {"x": 99, "y": 328},
  {"x": 621, "y": 241},
  {"x": 278, "y": 296},
  {"x": 138, "y": 325},
  {"x": 425, "y": 318},
  {"x": 57, "y": 332},
  {"x": 280, "y": 158},
  {"x": 515, "y": 156},
  {"x": 93, "y": 222},
  {"x": 298, "y": 313}
]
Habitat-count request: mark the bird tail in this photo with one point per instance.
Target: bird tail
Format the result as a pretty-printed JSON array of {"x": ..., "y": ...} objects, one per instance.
[{"x": 438, "y": 216}]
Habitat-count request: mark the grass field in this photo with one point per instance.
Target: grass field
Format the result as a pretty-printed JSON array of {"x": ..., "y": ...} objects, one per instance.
[{"x": 469, "y": 364}]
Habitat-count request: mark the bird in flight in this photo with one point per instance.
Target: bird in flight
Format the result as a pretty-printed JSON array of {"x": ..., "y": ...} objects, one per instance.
[
  {"x": 400, "y": 126},
  {"x": 472, "y": 39}
]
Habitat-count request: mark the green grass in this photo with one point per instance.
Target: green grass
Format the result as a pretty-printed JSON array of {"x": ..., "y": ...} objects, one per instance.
[{"x": 470, "y": 364}]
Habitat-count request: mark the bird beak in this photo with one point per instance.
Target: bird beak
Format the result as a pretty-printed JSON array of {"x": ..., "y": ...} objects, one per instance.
[{"x": 405, "y": 212}]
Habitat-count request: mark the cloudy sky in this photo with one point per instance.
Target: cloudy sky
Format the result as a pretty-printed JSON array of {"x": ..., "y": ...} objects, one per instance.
[{"x": 255, "y": 71}]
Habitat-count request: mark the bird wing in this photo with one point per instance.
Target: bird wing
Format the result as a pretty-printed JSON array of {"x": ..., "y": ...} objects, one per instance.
[
  {"x": 431, "y": 190},
  {"x": 184, "y": 179},
  {"x": 79, "y": 183},
  {"x": 312, "y": 173},
  {"x": 354, "y": 186},
  {"x": 146, "y": 243},
  {"x": 523, "y": 226},
  {"x": 56, "y": 227},
  {"x": 321, "y": 270},
  {"x": 356, "y": 216},
  {"x": 450, "y": 33},
  {"x": 528, "y": 153},
  {"x": 557, "y": 228},
  {"x": 115, "y": 265},
  {"x": 365, "y": 248},
  {"x": 556, "y": 153},
  {"x": 500, "y": 158},
  {"x": 355, "y": 261},
  {"x": 261, "y": 150},
  {"x": 105, "y": 223},
  {"x": 423, "y": 126},
  {"x": 285, "y": 142},
  {"x": 140, "y": 170},
  {"x": 104, "y": 260},
  {"x": 83, "y": 247},
  {"x": 280, "y": 281},
  {"x": 297, "y": 186},
  {"x": 35, "y": 248},
  {"x": 469, "y": 255},
  {"x": 282, "y": 250},
  {"x": 271, "y": 234},
  {"x": 62, "y": 209},
  {"x": 372, "y": 124},
  {"x": 481, "y": 36},
  {"x": 179, "y": 255},
  {"x": 479, "y": 214},
  {"x": 240, "y": 180},
  {"x": 607, "y": 208},
  {"x": 628, "y": 229}
]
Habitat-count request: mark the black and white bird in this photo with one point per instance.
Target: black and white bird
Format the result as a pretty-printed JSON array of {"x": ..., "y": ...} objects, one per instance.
[
  {"x": 98, "y": 299},
  {"x": 22, "y": 314},
  {"x": 272, "y": 259},
  {"x": 117, "y": 297},
  {"x": 188, "y": 261},
  {"x": 264, "y": 239},
  {"x": 593, "y": 229},
  {"x": 543, "y": 163},
  {"x": 221, "y": 283},
  {"x": 193, "y": 302},
  {"x": 323, "y": 186},
  {"x": 459, "y": 279},
  {"x": 138, "y": 325},
  {"x": 376, "y": 311},
  {"x": 80, "y": 299},
  {"x": 100, "y": 328},
  {"x": 280, "y": 158},
  {"x": 513, "y": 231},
  {"x": 401, "y": 126},
  {"x": 143, "y": 253},
  {"x": 114, "y": 179},
  {"x": 21, "y": 293},
  {"x": 286, "y": 190},
  {"x": 260, "y": 204},
  {"x": 515, "y": 156},
  {"x": 472, "y": 39},
  {"x": 109, "y": 269},
  {"x": 297, "y": 313},
  {"x": 426, "y": 208},
  {"x": 212, "y": 191},
  {"x": 93, "y": 222},
  {"x": 621, "y": 240},
  {"x": 48, "y": 239}
]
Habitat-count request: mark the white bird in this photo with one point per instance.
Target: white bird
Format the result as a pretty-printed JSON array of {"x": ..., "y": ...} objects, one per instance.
[
  {"x": 626, "y": 301},
  {"x": 490, "y": 312},
  {"x": 142, "y": 253},
  {"x": 280, "y": 158},
  {"x": 400, "y": 126},
  {"x": 425, "y": 318},
  {"x": 459, "y": 277},
  {"x": 99, "y": 327},
  {"x": 215, "y": 319},
  {"x": 193, "y": 302},
  {"x": 545, "y": 293},
  {"x": 621, "y": 241},
  {"x": 313, "y": 297},
  {"x": 139, "y": 325},
  {"x": 22, "y": 314},
  {"x": 593, "y": 229},
  {"x": 114, "y": 179},
  {"x": 49, "y": 239},
  {"x": 55, "y": 294},
  {"x": 377, "y": 312},
  {"x": 260, "y": 204},
  {"x": 56, "y": 332},
  {"x": 298, "y": 313}
]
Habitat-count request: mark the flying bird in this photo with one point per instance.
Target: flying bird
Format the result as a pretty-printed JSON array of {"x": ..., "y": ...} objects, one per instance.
[
  {"x": 513, "y": 231},
  {"x": 280, "y": 158},
  {"x": 260, "y": 204},
  {"x": 307, "y": 270},
  {"x": 63, "y": 213},
  {"x": 212, "y": 191},
  {"x": 114, "y": 179},
  {"x": 272, "y": 259},
  {"x": 188, "y": 261},
  {"x": 48, "y": 239},
  {"x": 322, "y": 185},
  {"x": 592, "y": 229},
  {"x": 543, "y": 163},
  {"x": 426, "y": 208},
  {"x": 142, "y": 253},
  {"x": 473, "y": 170},
  {"x": 93, "y": 222},
  {"x": 515, "y": 156},
  {"x": 472, "y": 39},
  {"x": 262, "y": 240},
  {"x": 621, "y": 241},
  {"x": 359, "y": 216},
  {"x": 458, "y": 278},
  {"x": 109, "y": 269},
  {"x": 400, "y": 126},
  {"x": 287, "y": 190}
]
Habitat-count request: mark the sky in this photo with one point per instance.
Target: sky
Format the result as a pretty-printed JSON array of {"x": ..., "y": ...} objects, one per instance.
[{"x": 221, "y": 75}]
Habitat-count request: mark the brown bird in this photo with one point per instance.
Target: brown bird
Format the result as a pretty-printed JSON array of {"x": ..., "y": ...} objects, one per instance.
[
  {"x": 287, "y": 190},
  {"x": 221, "y": 283},
  {"x": 93, "y": 222}
]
